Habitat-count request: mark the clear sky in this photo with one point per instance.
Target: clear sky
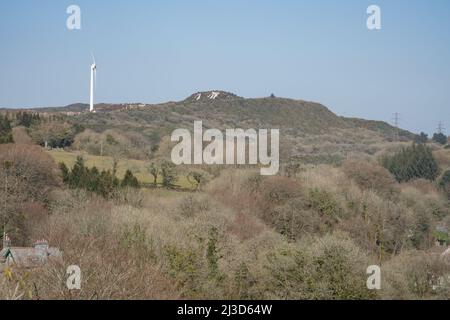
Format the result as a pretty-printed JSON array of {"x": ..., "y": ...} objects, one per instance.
[{"x": 154, "y": 51}]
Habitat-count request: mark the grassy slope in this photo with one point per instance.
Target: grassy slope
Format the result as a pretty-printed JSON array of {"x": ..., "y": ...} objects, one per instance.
[
  {"x": 309, "y": 131},
  {"x": 138, "y": 167},
  {"x": 295, "y": 116}
]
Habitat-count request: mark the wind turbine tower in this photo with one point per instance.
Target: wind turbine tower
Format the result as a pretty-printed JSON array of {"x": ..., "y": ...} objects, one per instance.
[{"x": 93, "y": 79}]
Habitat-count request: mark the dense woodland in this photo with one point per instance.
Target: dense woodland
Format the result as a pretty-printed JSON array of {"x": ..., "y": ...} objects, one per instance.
[{"x": 310, "y": 232}]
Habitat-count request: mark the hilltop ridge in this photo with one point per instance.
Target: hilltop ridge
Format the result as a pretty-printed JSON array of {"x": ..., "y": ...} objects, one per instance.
[
  {"x": 211, "y": 95},
  {"x": 309, "y": 130}
]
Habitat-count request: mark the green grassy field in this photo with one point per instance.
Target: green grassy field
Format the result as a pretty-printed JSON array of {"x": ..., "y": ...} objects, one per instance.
[{"x": 138, "y": 167}]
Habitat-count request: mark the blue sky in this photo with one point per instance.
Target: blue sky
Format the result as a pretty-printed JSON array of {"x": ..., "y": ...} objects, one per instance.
[{"x": 155, "y": 51}]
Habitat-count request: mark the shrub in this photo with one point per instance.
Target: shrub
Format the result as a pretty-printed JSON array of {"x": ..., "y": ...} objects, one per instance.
[
  {"x": 244, "y": 282},
  {"x": 444, "y": 183},
  {"x": 440, "y": 138},
  {"x": 129, "y": 180},
  {"x": 54, "y": 134},
  {"x": 5, "y": 130},
  {"x": 416, "y": 275},
  {"x": 295, "y": 219},
  {"x": 412, "y": 162},
  {"x": 331, "y": 267},
  {"x": 279, "y": 189},
  {"x": 421, "y": 138},
  {"x": 245, "y": 226},
  {"x": 185, "y": 267},
  {"x": 196, "y": 179},
  {"x": 442, "y": 237},
  {"x": 113, "y": 142},
  {"x": 103, "y": 183},
  {"x": 65, "y": 172},
  {"x": 191, "y": 205},
  {"x": 289, "y": 275},
  {"x": 370, "y": 176},
  {"x": 154, "y": 171},
  {"x": 91, "y": 237},
  {"x": 130, "y": 197},
  {"x": 27, "y": 174},
  {"x": 26, "y": 119},
  {"x": 134, "y": 239},
  {"x": 168, "y": 173},
  {"x": 30, "y": 170},
  {"x": 212, "y": 253},
  {"x": 421, "y": 231},
  {"x": 323, "y": 202}
]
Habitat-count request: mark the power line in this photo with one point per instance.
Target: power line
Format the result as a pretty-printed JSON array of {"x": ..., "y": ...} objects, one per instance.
[
  {"x": 440, "y": 128},
  {"x": 396, "y": 119}
]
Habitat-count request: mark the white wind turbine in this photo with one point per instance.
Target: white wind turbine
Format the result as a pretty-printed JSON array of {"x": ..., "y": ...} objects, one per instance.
[{"x": 93, "y": 79}]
